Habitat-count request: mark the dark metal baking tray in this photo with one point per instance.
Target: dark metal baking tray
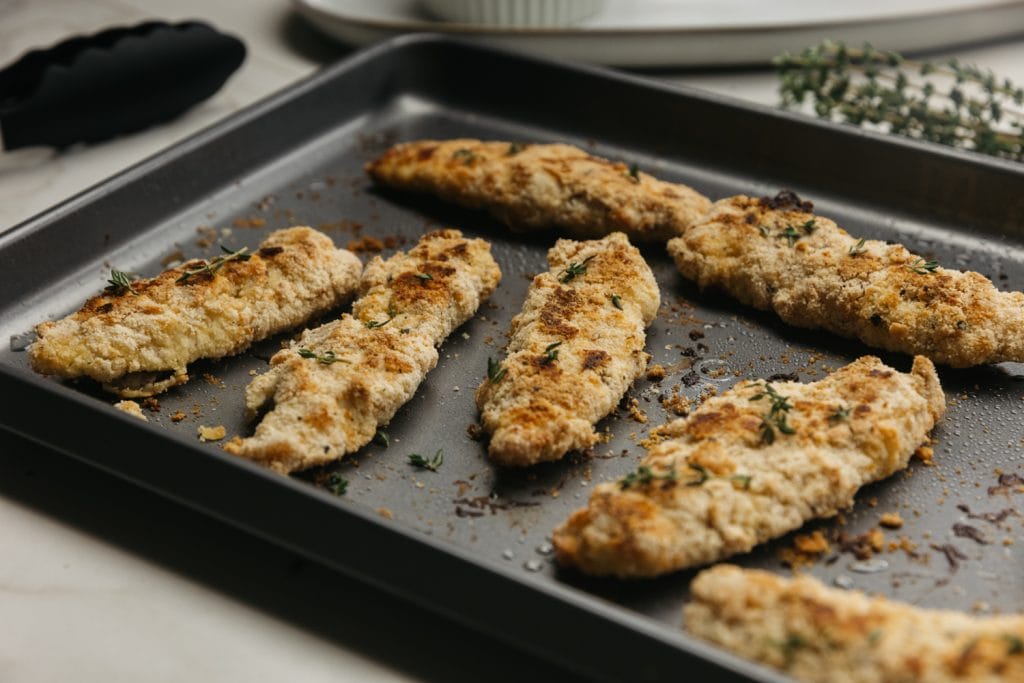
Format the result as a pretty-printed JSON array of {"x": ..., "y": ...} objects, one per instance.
[{"x": 470, "y": 541}]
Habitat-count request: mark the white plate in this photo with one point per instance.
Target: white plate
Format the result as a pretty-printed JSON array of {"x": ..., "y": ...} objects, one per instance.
[{"x": 650, "y": 33}]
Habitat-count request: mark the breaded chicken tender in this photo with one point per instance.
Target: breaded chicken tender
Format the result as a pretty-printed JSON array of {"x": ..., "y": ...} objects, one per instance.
[
  {"x": 139, "y": 338},
  {"x": 819, "y": 634},
  {"x": 776, "y": 255},
  {"x": 751, "y": 465},
  {"x": 574, "y": 350},
  {"x": 329, "y": 391},
  {"x": 542, "y": 186}
]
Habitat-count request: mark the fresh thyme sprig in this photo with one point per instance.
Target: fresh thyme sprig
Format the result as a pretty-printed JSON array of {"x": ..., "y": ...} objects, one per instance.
[
  {"x": 550, "y": 353},
  {"x": 703, "y": 475},
  {"x": 213, "y": 265},
  {"x": 495, "y": 371},
  {"x": 922, "y": 267},
  {"x": 120, "y": 283},
  {"x": 946, "y": 102},
  {"x": 776, "y": 417},
  {"x": 326, "y": 358},
  {"x": 374, "y": 324},
  {"x": 645, "y": 475},
  {"x": 432, "y": 464},
  {"x": 575, "y": 269}
]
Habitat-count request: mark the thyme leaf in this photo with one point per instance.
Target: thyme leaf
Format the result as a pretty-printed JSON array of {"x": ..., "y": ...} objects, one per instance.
[
  {"x": 922, "y": 267},
  {"x": 702, "y": 474},
  {"x": 616, "y": 301},
  {"x": 467, "y": 156},
  {"x": 841, "y": 415},
  {"x": 326, "y": 358},
  {"x": 120, "y": 283},
  {"x": 790, "y": 234},
  {"x": 374, "y": 324},
  {"x": 336, "y": 484},
  {"x": 432, "y": 464},
  {"x": 424, "y": 277},
  {"x": 575, "y": 269},
  {"x": 381, "y": 438},
  {"x": 645, "y": 475},
  {"x": 514, "y": 148},
  {"x": 550, "y": 353},
  {"x": 776, "y": 417},
  {"x": 495, "y": 371},
  {"x": 858, "y": 248},
  {"x": 211, "y": 266},
  {"x": 634, "y": 173}
]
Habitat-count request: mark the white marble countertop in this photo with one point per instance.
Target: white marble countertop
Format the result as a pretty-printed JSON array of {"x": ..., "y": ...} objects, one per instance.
[{"x": 102, "y": 581}]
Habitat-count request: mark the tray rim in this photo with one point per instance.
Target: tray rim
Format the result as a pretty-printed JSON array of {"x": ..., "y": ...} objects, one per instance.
[{"x": 398, "y": 534}]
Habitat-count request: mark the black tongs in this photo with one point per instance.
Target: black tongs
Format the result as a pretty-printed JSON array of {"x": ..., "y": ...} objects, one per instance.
[{"x": 122, "y": 80}]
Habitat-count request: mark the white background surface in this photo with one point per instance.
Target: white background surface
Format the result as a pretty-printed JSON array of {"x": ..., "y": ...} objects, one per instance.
[{"x": 101, "y": 581}]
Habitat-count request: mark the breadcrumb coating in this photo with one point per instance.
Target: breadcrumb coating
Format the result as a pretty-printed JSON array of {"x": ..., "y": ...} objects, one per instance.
[
  {"x": 574, "y": 350},
  {"x": 128, "y": 339},
  {"x": 819, "y": 634},
  {"x": 543, "y": 186},
  {"x": 776, "y": 255},
  {"x": 744, "y": 468},
  {"x": 328, "y": 392}
]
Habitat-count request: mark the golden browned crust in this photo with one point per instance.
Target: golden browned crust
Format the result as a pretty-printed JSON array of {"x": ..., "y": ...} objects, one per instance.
[
  {"x": 536, "y": 187},
  {"x": 329, "y": 391},
  {"x": 778, "y": 256},
  {"x": 164, "y": 324},
  {"x": 819, "y": 634},
  {"x": 545, "y": 404},
  {"x": 721, "y": 484}
]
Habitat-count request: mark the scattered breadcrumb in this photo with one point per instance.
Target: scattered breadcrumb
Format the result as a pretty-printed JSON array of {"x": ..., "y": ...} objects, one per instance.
[
  {"x": 676, "y": 403},
  {"x": 178, "y": 416},
  {"x": 386, "y": 513},
  {"x": 891, "y": 520},
  {"x": 924, "y": 454},
  {"x": 656, "y": 372},
  {"x": 132, "y": 408},
  {"x": 636, "y": 413},
  {"x": 211, "y": 433},
  {"x": 806, "y": 550}
]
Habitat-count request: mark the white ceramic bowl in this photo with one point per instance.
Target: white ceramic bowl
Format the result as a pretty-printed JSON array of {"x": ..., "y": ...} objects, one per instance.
[{"x": 525, "y": 13}]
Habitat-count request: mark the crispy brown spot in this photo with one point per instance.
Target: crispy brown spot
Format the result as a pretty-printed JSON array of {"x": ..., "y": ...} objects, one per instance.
[
  {"x": 702, "y": 425},
  {"x": 557, "y": 310},
  {"x": 880, "y": 373},
  {"x": 424, "y": 153},
  {"x": 267, "y": 252},
  {"x": 595, "y": 358}
]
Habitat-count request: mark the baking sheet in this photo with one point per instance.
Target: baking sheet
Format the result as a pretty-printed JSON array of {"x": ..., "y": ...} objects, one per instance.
[{"x": 472, "y": 540}]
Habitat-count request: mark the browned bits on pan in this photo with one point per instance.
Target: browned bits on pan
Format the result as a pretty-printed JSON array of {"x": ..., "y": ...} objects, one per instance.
[{"x": 787, "y": 200}]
